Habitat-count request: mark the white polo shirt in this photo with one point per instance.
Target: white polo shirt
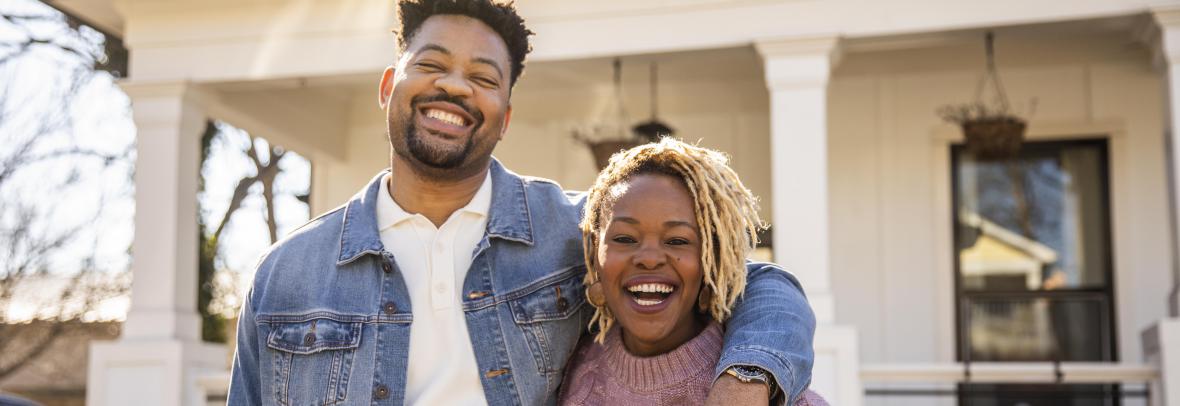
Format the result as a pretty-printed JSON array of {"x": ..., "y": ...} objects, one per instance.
[{"x": 434, "y": 261}]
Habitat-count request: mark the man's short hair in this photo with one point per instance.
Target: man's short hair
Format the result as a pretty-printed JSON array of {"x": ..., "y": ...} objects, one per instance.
[{"x": 500, "y": 16}]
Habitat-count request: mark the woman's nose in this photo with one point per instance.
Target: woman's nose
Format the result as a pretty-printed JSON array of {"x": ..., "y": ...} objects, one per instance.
[{"x": 650, "y": 256}]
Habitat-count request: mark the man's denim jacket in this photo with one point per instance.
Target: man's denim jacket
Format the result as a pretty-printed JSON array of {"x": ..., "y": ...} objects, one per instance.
[{"x": 328, "y": 318}]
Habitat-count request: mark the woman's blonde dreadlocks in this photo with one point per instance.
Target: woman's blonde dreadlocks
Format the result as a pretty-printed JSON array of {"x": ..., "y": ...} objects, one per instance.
[{"x": 726, "y": 212}]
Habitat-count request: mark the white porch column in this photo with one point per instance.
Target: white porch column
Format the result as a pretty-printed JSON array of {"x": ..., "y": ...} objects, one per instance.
[
  {"x": 797, "y": 72},
  {"x": 1161, "y": 341},
  {"x": 159, "y": 353},
  {"x": 1167, "y": 59},
  {"x": 1161, "y": 348}
]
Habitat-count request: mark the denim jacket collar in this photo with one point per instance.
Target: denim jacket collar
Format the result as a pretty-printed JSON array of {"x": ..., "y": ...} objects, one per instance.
[{"x": 509, "y": 217}]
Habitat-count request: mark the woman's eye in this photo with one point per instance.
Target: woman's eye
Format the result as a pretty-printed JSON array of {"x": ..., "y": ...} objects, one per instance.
[
  {"x": 622, "y": 239},
  {"x": 677, "y": 241}
]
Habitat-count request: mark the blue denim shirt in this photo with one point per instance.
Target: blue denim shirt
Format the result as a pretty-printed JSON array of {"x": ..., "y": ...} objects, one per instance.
[{"x": 328, "y": 318}]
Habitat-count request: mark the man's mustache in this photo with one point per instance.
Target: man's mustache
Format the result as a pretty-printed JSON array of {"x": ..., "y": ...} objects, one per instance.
[{"x": 444, "y": 97}]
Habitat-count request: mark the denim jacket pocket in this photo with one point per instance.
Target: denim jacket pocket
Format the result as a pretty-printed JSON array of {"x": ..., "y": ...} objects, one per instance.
[
  {"x": 312, "y": 360},
  {"x": 546, "y": 314}
]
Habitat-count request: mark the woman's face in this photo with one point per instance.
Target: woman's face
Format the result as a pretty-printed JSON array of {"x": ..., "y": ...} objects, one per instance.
[{"x": 650, "y": 256}]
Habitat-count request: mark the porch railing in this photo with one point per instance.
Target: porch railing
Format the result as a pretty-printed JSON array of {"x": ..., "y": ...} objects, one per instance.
[
  {"x": 214, "y": 387},
  {"x": 1124, "y": 381}
]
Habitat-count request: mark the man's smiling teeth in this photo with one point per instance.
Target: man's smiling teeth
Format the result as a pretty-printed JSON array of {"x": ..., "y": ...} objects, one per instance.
[{"x": 446, "y": 117}]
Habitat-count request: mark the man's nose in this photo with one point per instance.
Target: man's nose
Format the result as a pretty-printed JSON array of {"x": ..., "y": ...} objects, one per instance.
[{"x": 454, "y": 84}]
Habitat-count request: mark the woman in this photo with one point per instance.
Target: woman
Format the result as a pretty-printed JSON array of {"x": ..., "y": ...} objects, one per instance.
[{"x": 666, "y": 232}]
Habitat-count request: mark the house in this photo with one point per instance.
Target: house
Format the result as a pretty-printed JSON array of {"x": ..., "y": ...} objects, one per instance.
[
  {"x": 57, "y": 377},
  {"x": 828, "y": 109}
]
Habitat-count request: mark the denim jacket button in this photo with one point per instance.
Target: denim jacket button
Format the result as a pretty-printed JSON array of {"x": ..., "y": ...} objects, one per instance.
[
  {"x": 309, "y": 339},
  {"x": 389, "y": 308},
  {"x": 562, "y": 304},
  {"x": 381, "y": 392},
  {"x": 385, "y": 266}
]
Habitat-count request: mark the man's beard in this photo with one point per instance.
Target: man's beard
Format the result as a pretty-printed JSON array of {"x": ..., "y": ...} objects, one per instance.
[
  {"x": 435, "y": 155},
  {"x": 438, "y": 156}
]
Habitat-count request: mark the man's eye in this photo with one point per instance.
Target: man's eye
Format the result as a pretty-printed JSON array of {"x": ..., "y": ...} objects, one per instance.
[
  {"x": 486, "y": 82},
  {"x": 430, "y": 66}
]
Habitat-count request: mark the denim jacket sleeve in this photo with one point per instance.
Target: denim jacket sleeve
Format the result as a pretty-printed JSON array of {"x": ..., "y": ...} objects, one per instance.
[
  {"x": 772, "y": 327},
  {"x": 245, "y": 381}
]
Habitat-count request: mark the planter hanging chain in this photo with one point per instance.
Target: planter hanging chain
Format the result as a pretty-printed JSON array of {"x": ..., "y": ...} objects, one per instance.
[{"x": 992, "y": 74}]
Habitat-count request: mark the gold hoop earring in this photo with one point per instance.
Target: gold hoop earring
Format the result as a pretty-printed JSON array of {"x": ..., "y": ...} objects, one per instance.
[{"x": 595, "y": 295}]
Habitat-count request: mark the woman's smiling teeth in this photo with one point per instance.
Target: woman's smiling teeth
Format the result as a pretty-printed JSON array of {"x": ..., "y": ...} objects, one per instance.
[
  {"x": 650, "y": 294},
  {"x": 446, "y": 117}
]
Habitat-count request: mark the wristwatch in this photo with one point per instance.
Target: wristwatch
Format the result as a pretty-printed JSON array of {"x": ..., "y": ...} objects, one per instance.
[{"x": 747, "y": 374}]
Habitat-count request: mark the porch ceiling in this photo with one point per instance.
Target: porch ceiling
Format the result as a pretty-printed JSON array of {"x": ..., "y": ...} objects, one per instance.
[
  {"x": 100, "y": 13},
  {"x": 726, "y": 64}
]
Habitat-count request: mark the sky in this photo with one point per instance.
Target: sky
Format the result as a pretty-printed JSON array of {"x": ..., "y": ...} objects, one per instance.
[{"x": 101, "y": 203}]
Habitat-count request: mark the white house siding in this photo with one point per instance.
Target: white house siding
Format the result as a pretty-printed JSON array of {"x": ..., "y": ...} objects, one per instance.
[{"x": 892, "y": 257}]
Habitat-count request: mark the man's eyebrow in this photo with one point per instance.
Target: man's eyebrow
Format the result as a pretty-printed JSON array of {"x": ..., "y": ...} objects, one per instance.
[
  {"x": 491, "y": 63},
  {"x": 436, "y": 48}
]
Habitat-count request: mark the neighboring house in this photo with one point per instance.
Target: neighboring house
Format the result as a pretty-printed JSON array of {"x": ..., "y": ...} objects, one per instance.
[
  {"x": 58, "y": 376},
  {"x": 828, "y": 109}
]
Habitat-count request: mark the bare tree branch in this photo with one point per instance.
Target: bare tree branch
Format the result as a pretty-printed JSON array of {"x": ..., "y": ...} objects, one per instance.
[{"x": 42, "y": 257}]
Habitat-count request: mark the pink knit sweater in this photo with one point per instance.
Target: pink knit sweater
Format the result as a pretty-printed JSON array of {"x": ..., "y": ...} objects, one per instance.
[{"x": 609, "y": 375}]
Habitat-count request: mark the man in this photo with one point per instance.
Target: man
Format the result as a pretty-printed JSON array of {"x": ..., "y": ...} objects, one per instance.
[{"x": 450, "y": 280}]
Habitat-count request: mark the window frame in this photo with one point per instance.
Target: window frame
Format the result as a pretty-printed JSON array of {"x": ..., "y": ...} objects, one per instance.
[{"x": 1111, "y": 327}]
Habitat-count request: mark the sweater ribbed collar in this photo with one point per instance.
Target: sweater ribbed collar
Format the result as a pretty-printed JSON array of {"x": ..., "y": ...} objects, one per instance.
[{"x": 649, "y": 374}]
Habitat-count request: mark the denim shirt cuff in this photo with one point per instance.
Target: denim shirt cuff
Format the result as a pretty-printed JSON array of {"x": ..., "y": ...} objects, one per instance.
[{"x": 782, "y": 371}]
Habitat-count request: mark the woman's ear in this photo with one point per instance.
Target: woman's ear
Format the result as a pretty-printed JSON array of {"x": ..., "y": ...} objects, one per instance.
[{"x": 705, "y": 299}]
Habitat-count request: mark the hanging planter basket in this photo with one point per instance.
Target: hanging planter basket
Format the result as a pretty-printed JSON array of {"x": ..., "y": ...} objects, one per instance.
[
  {"x": 995, "y": 138},
  {"x": 992, "y": 133},
  {"x": 611, "y": 134}
]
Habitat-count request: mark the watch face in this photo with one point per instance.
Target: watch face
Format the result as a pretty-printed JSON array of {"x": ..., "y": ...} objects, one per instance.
[
  {"x": 747, "y": 374},
  {"x": 752, "y": 372}
]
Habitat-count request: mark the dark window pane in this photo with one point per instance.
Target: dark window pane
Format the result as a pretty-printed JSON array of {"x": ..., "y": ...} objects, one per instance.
[
  {"x": 1038, "y": 395},
  {"x": 1038, "y": 222},
  {"x": 1026, "y": 328}
]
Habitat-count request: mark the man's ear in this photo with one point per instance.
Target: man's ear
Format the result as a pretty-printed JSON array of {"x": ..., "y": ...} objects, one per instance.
[
  {"x": 385, "y": 89},
  {"x": 507, "y": 119}
]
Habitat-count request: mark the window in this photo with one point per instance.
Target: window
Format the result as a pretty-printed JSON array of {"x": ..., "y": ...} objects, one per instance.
[{"x": 1033, "y": 266}]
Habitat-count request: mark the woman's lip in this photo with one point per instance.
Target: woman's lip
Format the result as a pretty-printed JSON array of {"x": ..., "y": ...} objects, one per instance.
[{"x": 652, "y": 309}]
